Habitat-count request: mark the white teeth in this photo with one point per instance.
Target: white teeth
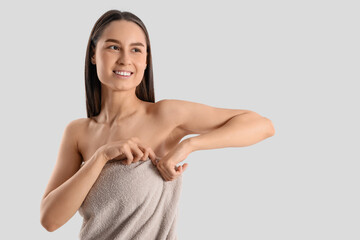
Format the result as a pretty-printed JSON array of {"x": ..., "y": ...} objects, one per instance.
[{"x": 123, "y": 73}]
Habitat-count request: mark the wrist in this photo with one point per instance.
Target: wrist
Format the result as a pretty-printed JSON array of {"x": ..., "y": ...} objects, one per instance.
[{"x": 101, "y": 156}]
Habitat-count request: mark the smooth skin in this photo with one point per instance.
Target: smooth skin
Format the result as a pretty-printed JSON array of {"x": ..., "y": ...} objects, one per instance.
[{"x": 132, "y": 130}]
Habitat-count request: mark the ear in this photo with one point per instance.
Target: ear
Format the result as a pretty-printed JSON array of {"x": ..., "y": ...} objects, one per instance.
[
  {"x": 93, "y": 60},
  {"x": 93, "y": 56}
]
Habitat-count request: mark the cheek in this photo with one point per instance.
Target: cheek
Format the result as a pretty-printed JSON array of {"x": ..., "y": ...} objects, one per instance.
[
  {"x": 143, "y": 63},
  {"x": 103, "y": 62},
  {"x": 103, "y": 57},
  {"x": 140, "y": 59},
  {"x": 140, "y": 66}
]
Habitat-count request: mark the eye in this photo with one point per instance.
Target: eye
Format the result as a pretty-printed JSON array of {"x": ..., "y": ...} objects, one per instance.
[
  {"x": 137, "y": 49},
  {"x": 113, "y": 46}
]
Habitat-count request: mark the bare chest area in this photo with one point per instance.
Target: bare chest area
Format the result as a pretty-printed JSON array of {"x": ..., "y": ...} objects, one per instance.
[{"x": 153, "y": 131}]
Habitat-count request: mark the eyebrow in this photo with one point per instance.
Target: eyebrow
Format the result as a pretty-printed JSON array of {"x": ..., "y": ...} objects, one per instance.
[{"x": 131, "y": 44}]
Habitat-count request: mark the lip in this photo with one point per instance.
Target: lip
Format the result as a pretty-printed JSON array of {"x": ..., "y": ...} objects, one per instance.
[
  {"x": 120, "y": 70},
  {"x": 122, "y": 76}
]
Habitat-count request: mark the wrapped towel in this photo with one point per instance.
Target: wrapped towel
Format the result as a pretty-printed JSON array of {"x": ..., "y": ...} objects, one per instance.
[{"x": 130, "y": 202}]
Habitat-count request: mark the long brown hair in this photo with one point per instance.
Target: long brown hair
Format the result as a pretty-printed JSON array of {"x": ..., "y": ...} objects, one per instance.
[{"x": 144, "y": 91}]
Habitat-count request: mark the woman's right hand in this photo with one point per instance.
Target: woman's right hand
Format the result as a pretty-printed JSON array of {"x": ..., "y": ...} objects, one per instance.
[{"x": 127, "y": 151}]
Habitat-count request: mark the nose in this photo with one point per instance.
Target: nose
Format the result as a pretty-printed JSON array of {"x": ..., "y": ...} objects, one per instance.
[{"x": 123, "y": 58}]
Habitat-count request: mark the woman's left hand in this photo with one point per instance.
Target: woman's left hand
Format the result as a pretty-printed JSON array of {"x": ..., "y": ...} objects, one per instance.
[{"x": 167, "y": 164}]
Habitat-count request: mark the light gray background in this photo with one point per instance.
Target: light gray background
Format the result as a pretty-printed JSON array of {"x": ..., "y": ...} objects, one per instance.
[{"x": 294, "y": 62}]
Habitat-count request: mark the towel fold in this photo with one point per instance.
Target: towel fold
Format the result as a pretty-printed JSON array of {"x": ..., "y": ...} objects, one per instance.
[{"x": 130, "y": 202}]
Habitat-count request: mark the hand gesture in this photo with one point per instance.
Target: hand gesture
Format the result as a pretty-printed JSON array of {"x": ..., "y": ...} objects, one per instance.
[
  {"x": 127, "y": 151},
  {"x": 167, "y": 164}
]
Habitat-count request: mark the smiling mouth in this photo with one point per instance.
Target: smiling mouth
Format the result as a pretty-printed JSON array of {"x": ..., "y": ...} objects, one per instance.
[{"x": 123, "y": 74}]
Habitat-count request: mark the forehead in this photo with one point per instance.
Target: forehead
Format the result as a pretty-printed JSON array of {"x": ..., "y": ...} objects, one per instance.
[{"x": 124, "y": 31}]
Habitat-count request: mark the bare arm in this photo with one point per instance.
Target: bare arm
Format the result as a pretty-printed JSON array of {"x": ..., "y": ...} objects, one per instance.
[
  {"x": 63, "y": 202},
  {"x": 240, "y": 131},
  {"x": 70, "y": 183}
]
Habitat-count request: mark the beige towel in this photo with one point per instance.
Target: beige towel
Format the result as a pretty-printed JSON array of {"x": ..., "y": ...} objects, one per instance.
[{"x": 130, "y": 202}]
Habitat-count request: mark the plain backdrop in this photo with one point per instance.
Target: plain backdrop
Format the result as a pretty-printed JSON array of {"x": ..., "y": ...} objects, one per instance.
[{"x": 294, "y": 62}]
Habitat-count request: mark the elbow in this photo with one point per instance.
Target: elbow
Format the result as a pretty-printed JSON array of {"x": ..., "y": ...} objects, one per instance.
[
  {"x": 271, "y": 128},
  {"x": 46, "y": 222},
  {"x": 48, "y": 226}
]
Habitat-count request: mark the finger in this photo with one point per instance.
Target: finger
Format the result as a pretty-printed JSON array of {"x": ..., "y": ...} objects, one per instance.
[
  {"x": 152, "y": 154},
  {"x": 139, "y": 155},
  {"x": 145, "y": 156},
  {"x": 183, "y": 167},
  {"x": 121, "y": 153},
  {"x": 173, "y": 173},
  {"x": 163, "y": 175},
  {"x": 136, "y": 151},
  {"x": 178, "y": 169},
  {"x": 145, "y": 152},
  {"x": 164, "y": 172},
  {"x": 156, "y": 161},
  {"x": 129, "y": 156}
]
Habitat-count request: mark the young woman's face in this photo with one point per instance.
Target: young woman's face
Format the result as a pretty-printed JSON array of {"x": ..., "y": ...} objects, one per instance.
[{"x": 121, "y": 49}]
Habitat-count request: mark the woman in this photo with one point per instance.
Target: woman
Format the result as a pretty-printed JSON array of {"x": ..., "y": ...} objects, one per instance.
[{"x": 102, "y": 168}]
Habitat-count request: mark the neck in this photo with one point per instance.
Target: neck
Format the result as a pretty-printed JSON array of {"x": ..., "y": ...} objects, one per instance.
[{"x": 118, "y": 105}]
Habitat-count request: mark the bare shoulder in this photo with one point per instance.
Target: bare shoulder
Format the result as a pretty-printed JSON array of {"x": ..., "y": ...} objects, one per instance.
[
  {"x": 168, "y": 109},
  {"x": 168, "y": 112},
  {"x": 82, "y": 122},
  {"x": 176, "y": 109},
  {"x": 77, "y": 123},
  {"x": 77, "y": 126},
  {"x": 173, "y": 111}
]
